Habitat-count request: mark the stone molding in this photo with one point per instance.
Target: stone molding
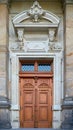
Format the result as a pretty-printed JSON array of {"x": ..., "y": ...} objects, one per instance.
[
  {"x": 4, "y": 1},
  {"x": 57, "y": 85},
  {"x": 68, "y": 1},
  {"x": 65, "y": 1}
]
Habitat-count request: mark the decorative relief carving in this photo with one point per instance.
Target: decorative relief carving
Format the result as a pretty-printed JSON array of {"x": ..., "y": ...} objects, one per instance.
[
  {"x": 26, "y": 81},
  {"x": 55, "y": 46},
  {"x": 51, "y": 35},
  {"x": 43, "y": 85},
  {"x": 28, "y": 85},
  {"x": 36, "y": 79},
  {"x": 36, "y": 46},
  {"x": 36, "y": 12},
  {"x": 58, "y": 46},
  {"x": 19, "y": 43},
  {"x": 20, "y": 33}
]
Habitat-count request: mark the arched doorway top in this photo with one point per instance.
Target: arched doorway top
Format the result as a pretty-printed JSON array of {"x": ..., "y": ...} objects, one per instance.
[{"x": 35, "y": 13}]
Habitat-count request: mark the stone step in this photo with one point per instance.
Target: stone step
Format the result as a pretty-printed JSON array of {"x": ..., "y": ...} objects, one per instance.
[{"x": 35, "y": 129}]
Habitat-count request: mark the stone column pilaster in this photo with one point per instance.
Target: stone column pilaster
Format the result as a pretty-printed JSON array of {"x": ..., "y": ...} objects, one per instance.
[
  {"x": 68, "y": 47},
  {"x": 3, "y": 46}
]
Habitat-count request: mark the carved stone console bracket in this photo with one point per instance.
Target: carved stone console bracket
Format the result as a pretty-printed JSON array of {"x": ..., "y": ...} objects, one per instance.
[{"x": 20, "y": 33}]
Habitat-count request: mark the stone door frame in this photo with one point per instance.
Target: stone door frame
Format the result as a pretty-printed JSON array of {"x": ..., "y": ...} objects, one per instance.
[{"x": 58, "y": 85}]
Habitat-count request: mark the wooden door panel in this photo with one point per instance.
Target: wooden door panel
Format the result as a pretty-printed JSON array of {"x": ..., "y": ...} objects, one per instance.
[
  {"x": 44, "y": 104},
  {"x": 43, "y": 113},
  {"x": 36, "y": 101},
  {"x": 43, "y": 97},
  {"x": 28, "y": 117},
  {"x": 28, "y": 109},
  {"x": 28, "y": 100},
  {"x": 28, "y": 97}
]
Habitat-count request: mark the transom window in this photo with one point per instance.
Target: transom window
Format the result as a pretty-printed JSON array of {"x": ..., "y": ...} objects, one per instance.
[
  {"x": 37, "y": 66},
  {"x": 27, "y": 67},
  {"x": 44, "y": 67}
]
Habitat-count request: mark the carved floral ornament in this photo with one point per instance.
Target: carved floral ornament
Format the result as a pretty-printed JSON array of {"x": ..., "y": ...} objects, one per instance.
[{"x": 35, "y": 13}]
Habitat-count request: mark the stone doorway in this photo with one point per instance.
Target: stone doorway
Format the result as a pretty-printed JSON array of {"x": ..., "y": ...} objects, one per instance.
[{"x": 31, "y": 43}]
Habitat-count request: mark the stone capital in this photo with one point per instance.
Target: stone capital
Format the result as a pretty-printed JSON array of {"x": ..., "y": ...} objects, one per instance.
[{"x": 4, "y": 1}]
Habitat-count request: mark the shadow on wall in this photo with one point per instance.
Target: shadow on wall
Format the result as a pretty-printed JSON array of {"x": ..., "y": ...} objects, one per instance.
[
  {"x": 67, "y": 113},
  {"x": 4, "y": 113}
]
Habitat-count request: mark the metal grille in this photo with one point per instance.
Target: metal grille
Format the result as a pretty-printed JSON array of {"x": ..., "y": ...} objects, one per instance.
[
  {"x": 44, "y": 67},
  {"x": 27, "y": 67}
]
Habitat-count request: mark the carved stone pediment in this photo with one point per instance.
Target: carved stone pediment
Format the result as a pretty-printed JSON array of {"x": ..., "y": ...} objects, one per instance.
[
  {"x": 35, "y": 13},
  {"x": 49, "y": 28}
]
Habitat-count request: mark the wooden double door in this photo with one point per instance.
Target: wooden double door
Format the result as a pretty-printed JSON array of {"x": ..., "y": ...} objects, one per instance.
[
  {"x": 36, "y": 102},
  {"x": 36, "y": 94}
]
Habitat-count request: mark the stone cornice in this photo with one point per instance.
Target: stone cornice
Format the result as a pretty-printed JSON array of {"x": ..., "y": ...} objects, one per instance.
[
  {"x": 68, "y": 1},
  {"x": 4, "y": 1},
  {"x": 63, "y": 1}
]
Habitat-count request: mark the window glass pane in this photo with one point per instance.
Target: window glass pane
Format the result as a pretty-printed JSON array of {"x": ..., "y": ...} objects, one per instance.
[
  {"x": 27, "y": 67},
  {"x": 44, "y": 67}
]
